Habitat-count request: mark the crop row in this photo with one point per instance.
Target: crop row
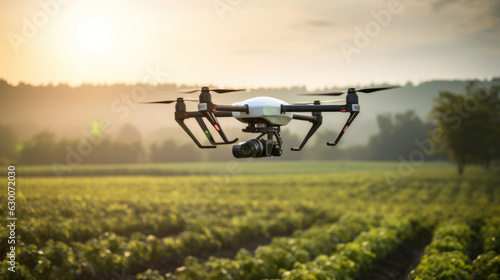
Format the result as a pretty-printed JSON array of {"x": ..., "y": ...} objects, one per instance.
[
  {"x": 280, "y": 255},
  {"x": 99, "y": 257},
  {"x": 102, "y": 224},
  {"x": 125, "y": 218},
  {"x": 356, "y": 256},
  {"x": 487, "y": 265},
  {"x": 446, "y": 257},
  {"x": 51, "y": 208}
]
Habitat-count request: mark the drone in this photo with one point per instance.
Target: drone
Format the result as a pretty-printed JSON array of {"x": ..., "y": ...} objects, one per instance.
[{"x": 263, "y": 115}]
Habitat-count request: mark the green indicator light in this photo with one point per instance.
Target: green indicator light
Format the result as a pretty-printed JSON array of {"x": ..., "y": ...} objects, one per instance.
[{"x": 207, "y": 133}]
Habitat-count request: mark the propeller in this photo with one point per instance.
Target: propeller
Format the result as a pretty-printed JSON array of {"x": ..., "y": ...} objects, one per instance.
[
  {"x": 190, "y": 91},
  {"x": 312, "y": 102},
  {"x": 220, "y": 91},
  {"x": 365, "y": 90},
  {"x": 168, "y": 101}
]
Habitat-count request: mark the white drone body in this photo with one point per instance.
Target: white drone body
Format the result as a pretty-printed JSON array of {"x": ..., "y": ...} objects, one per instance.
[
  {"x": 263, "y": 108},
  {"x": 263, "y": 115}
]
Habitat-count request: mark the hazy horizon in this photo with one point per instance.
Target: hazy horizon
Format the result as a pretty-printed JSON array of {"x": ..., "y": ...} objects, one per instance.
[{"x": 67, "y": 111}]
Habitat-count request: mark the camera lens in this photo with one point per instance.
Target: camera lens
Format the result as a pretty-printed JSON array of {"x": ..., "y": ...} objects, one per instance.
[
  {"x": 252, "y": 148},
  {"x": 247, "y": 150}
]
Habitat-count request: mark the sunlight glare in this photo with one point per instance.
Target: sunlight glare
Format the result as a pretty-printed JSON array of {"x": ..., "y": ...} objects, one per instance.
[{"x": 95, "y": 35}]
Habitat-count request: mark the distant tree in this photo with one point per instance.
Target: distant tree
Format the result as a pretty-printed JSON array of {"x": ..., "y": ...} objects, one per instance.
[
  {"x": 397, "y": 135},
  {"x": 170, "y": 151},
  {"x": 187, "y": 153},
  {"x": 494, "y": 102},
  {"x": 163, "y": 152},
  {"x": 123, "y": 152},
  {"x": 469, "y": 124},
  {"x": 292, "y": 140},
  {"x": 316, "y": 149},
  {"x": 128, "y": 133},
  {"x": 222, "y": 153},
  {"x": 3, "y": 84},
  {"x": 39, "y": 149},
  {"x": 356, "y": 152},
  {"x": 60, "y": 151},
  {"x": 8, "y": 141},
  {"x": 109, "y": 151}
]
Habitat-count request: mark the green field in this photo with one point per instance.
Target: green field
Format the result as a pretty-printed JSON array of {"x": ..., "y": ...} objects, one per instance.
[
  {"x": 255, "y": 220},
  {"x": 258, "y": 167}
]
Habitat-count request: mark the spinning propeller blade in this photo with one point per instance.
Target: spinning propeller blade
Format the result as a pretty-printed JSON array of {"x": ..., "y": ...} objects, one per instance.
[
  {"x": 220, "y": 91},
  {"x": 169, "y": 101},
  {"x": 365, "y": 90},
  {"x": 190, "y": 91},
  {"x": 368, "y": 90}
]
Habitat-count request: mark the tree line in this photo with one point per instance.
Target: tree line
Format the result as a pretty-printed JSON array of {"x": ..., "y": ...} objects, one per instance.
[
  {"x": 396, "y": 136},
  {"x": 464, "y": 128}
]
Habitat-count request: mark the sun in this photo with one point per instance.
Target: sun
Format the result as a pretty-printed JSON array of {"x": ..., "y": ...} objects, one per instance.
[{"x": 94, "y": 35}]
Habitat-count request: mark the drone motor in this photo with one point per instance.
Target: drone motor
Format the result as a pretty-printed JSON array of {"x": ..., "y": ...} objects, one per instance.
[{"x": 264, "y": 115}]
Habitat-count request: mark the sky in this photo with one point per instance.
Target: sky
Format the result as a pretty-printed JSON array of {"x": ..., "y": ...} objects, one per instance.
[{"x": 242, "y": 43}]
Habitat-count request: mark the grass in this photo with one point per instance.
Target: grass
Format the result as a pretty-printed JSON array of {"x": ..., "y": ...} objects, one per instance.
[{"x": 235, "y": 166}]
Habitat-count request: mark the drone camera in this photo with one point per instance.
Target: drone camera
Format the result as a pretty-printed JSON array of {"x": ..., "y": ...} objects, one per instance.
[
  {"x": 264, "y": 115},
  {"x": 257, "y": 148}
]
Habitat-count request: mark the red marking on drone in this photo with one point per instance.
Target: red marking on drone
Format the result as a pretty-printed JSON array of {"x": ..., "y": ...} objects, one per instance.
[
  {"x": 345, "y": 128},
  {"x": 343, "y": 110},
  {"x": 216, "y": 127}
]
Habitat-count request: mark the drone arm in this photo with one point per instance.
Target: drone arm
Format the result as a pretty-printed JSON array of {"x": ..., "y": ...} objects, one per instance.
[
  {"x": 204, "y": 127},
  {"x": 210, "y": 111},
  {"x": 316, "y": 121},
  {"x": 195, "y": 114},
  {"x": 351, "y": 118},
  {"x": 223, "y": 114},
  {"x": 181, "y": 115},
  {"x": 312, "y": 108},
  {"x": 303, "y": 117},
  {"x": 208, "y": 134},
  {"x": 352, "y": 107},
  {"x": 215, "y": 123},
  {"x": 231, "y": 108},
  {"x": 186, "y": 129}
]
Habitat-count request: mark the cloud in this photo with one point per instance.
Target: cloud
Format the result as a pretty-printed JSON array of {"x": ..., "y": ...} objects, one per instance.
[{"x": 477, "y": 18}]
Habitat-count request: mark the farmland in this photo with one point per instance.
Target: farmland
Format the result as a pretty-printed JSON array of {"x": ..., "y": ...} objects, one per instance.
[{"x": 277, "y": 220}]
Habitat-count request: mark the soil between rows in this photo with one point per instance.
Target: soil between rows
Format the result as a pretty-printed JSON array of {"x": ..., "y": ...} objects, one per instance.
[
  {"x": 228, "y": 251},
  {"x": 397, "y": 265},
  {"x": 400, "y": 262}
]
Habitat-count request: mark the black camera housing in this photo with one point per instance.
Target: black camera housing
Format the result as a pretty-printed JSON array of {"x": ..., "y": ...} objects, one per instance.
[{"x": 257, "y": 148}]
